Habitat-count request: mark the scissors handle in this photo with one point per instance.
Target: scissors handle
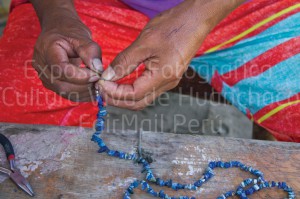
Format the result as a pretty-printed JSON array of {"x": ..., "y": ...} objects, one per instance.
[{"x": 8, "y": 148}]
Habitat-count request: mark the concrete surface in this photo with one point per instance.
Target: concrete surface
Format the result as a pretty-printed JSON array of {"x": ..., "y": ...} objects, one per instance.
[{"x": 176, "y": 113}]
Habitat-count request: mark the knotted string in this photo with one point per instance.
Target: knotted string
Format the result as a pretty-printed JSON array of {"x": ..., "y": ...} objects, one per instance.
[{"x": 246, "y": 188}]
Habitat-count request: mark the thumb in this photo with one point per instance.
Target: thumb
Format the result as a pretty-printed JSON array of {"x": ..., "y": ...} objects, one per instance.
[
  {"x": 90, "y": 53},
  {"x": 125, "y": 62}
]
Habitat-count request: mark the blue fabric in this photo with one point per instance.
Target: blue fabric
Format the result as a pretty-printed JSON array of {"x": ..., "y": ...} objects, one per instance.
[
  {"x": 232, "y": 58},
  {"x": 266, "y": 88}
]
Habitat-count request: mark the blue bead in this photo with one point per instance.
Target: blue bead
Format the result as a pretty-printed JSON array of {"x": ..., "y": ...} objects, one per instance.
[
  {"x": 155, "y": 194},
  {"x": 135, "y": 184},
  {"x": 266, "y": 184},
  {"x": 98, "y": 132},
  {"x": 102, "y": 113},
  {"x": 111, "y": 152},
  {"x": 244, "y": 196},
  {"x": 99, "y": 99},
  {"x": 228, "y": 194},
  {"x": 174, "y": 186},
  {"x": 227, "y": 165},
  {"x": 256, "y": 187},
  {"x": 235, "y": 163},
  {"x": 145, "y": 184},
  {"x": 283, "y": 185},
  {"x": 117, "y": 154},
  {"x": 99, "y": 128},
  {"x": 150, "y": 190},
  {"x": 159, "y": 182},
  {"x": 206, "y": 176},
  {"x": 180, "y": 186},
  {"x": 101, "y": 144},
  {"x": 168, "y": 183},
  {"x": 212, "y": 165},
  {"x": 130, "y": 190},
  {"x": 126, "y": 196},
  {"x": 198, "y": 183},
  {"x": 161, "y": 194},
  {"x": 103, "y": 149}
]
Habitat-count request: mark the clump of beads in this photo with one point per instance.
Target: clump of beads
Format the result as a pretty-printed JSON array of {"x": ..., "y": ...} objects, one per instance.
[{"x": 246, "y": 188}]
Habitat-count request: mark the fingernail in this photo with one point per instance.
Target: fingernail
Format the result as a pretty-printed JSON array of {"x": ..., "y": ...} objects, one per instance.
[
  {"x": 101, "y": 83},
  {"x": 108, "y": 74},
  {"x": 97, "y": 64},
  {"x": 97, "y": 86},
  {"x": 94, "y": 78}
]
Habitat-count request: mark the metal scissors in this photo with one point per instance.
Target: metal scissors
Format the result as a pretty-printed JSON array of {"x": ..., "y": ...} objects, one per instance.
[{"x": 13, "y": 172}]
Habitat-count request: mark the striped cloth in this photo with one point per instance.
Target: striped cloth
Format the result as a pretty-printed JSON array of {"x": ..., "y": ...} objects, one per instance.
[{"x": 252, "y": 58}]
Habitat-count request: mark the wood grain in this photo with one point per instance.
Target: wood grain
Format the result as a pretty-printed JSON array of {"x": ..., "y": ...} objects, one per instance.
[{"x": 69, "y": 166}]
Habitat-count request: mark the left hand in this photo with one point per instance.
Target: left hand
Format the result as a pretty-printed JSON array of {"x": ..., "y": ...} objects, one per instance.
[{"x": 166, "y": 46}]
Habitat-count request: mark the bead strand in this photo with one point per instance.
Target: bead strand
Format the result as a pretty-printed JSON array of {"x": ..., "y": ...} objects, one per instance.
[{"x": 241, "y": 191}]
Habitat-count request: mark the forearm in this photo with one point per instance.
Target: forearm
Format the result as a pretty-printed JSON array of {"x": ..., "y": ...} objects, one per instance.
[
  {"x": 190, "y": 21},
  {"x": 50, "y": 12},
  {"x": 212, "y": 12}
]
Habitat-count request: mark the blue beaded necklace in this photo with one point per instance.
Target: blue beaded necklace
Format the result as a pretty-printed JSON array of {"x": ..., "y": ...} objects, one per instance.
[{"x": 246, "y": 188}]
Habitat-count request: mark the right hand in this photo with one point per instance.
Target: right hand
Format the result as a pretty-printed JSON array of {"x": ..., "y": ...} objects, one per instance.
[{"x": 64, "y": 43}]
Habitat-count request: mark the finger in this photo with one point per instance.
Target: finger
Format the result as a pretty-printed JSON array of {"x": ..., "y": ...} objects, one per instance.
[
  {"x": 40, "y": 67},
  {"x": 126, "y": 61},
  {"x": 61, "y": 69},
  {"x": 141, "y": 104},
  {"x": 84, "y": 94},
  {"x": 76, "y": 61},
  {"x": 55, "y": 85},
  {"x": 132, "y": 105},
  {"x": 77, "y": 96},
  {"x": 90, "y": 53},
  {"x": 68, "y": 90},
  {"x": 65, "y": 87},
  {"x": 69, "y": 73},
  {"x": 87, "y": 96},
  {"x": 149, "y": 81}
]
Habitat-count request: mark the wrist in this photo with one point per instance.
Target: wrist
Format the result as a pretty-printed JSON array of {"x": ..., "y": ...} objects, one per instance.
[
  {"x": 59, "y": 18},
  {"x": 52, "y": 13},
  {"x": 210, "y": 13}
]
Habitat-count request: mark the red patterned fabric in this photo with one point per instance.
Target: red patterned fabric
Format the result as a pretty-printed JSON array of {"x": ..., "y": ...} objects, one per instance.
[{"x": 24, "y": 98}]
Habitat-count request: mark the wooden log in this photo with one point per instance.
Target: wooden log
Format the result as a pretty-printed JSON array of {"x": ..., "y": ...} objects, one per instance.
[{"x": 62, "y": 162}]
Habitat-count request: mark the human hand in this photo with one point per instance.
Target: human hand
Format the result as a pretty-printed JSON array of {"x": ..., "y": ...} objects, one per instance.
[
  {"x": 64, "y": 43},
  {"x": 166, "y": 46}
]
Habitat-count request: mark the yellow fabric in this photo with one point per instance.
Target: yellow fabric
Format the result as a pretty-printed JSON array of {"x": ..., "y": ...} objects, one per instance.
[
  {"x": 255, "y": 27},
  {"x": 276, "y": 110}
]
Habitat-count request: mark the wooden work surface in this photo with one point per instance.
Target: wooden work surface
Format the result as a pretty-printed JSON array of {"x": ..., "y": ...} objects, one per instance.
[{"x": 62, "y": 162}]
